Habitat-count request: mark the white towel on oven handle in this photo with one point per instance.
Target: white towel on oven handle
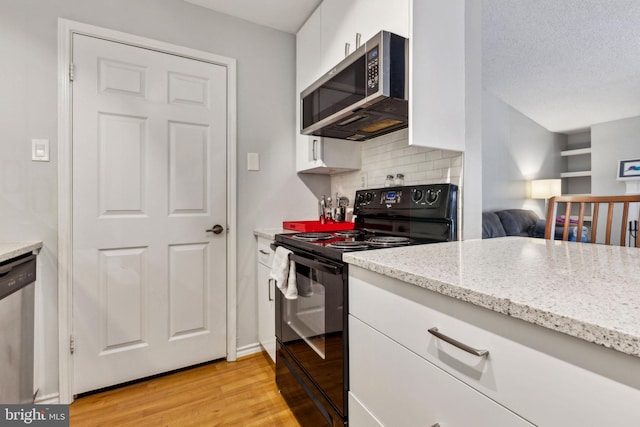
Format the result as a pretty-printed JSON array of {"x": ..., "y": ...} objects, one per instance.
[
  {"x": 283, "y": 271},
  {"x": 291, "y": 292},
  {"x": 280, "y": 266}
]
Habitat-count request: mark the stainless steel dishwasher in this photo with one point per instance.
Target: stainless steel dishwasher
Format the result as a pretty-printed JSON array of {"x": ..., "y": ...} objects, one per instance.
[{"x": 17, "y": 276}]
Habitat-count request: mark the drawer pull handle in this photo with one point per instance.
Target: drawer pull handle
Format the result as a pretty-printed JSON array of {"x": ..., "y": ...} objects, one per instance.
[
  {"x": 263, "y": 252},
  {"x": 269, "y": 287},
  {"x": 481, "y": 353}
]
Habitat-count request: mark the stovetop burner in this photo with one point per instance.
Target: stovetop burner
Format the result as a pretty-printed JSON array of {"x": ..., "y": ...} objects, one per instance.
[
  {"x": 388, "y": 241},
  {"x": 348, "y": 233},
  {"x": 386, "y": 217},
  {"x": 313, "y": 237},
  {"x": 347, "y": 244}
]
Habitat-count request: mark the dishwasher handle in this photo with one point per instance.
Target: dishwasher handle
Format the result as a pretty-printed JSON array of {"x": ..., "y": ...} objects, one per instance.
[
  {"x": 16, "y": 274},
  {"x": 7, "y": 268}
]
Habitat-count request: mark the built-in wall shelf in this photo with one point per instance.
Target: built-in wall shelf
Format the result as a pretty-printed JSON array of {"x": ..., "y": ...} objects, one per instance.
[
  {"x": 575, "y": 174},
  {"x": 576, "y": 161},
  {"x": 576, "y": 152}
]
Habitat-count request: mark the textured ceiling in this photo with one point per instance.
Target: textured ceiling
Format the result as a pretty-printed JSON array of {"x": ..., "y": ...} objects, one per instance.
[{"x": 566, "y": 64}]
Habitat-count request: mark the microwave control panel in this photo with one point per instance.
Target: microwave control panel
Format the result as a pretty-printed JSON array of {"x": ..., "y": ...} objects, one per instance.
[{"x": 373, "y": 66}]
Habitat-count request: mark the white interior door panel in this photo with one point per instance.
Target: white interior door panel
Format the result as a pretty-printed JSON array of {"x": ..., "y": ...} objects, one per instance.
[{"x": 149, "y": 178}]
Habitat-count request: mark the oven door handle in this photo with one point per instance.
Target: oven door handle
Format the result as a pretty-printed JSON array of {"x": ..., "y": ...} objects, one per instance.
[{"x": 317, "y": 265}]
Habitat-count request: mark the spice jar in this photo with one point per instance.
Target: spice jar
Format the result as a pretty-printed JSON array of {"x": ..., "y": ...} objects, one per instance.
[
  {"x": 389, "y": 181},
  {"x": 399, "y": 179}
]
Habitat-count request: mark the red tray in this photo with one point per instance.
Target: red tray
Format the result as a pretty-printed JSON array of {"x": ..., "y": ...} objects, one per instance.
[{"x": 312, "y": 226}]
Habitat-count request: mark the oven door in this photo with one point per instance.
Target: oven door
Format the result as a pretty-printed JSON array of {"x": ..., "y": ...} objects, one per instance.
[{"x": 312, "y": 328}]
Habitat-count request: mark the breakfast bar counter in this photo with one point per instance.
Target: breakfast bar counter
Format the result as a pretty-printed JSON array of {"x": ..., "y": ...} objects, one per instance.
[
  {"x": 587, "y": 291},
  {"x": 518, "y": 331}
]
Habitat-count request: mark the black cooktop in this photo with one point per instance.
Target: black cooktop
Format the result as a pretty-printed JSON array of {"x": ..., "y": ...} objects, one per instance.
[
  {"x": 334, "y": 243},
  {"x": 387, "y": 217}
]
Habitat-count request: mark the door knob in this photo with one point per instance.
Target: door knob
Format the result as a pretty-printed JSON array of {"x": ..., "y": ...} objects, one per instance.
[{"x": 217, "y": 229}]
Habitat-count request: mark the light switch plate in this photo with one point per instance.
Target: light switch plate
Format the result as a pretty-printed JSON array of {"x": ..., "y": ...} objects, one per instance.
[
  {"x": 40, "y": 150},
  {"x": 253, "y": 161}
]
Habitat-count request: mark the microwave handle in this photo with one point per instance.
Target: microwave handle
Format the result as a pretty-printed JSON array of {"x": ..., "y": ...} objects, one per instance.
[{"x": 317, "y": 265}]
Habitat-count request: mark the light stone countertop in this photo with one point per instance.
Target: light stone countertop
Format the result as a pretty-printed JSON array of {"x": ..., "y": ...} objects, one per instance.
[
  {"x": 269, "y": 233},
  {"x": 10, "y": 250},
  {"x": 587, "y": 291}
]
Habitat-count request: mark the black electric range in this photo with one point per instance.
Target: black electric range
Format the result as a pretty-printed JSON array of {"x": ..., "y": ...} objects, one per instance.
[
  {"x": 387, "y": 217},
  {"x": 312, "y": 345}
]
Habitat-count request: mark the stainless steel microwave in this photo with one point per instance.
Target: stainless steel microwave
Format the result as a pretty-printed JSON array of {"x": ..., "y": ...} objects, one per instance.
[{"x": 364, "y": 96}]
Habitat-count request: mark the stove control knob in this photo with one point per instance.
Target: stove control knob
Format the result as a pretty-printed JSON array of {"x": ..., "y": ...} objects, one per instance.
[
  {"x": 360, "y": 199},
  {"x": 432, "y": 196},
  {"x": 368, "y": 197},
  {"x": 417, "y": 195}
]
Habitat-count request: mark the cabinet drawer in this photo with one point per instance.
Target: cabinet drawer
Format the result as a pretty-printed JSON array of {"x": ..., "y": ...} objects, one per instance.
[
  {"x": 265, "y": 253},
  {"x": 549, "y": 378},
  {"x": 400, "y": 388},
  {"x": 359, "y": 416}
]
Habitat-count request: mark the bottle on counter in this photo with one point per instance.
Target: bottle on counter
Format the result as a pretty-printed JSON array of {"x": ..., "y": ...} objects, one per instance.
[
  {"x": 321, "y": 210},
  {"x": 399, "y": 180},
  {"x": 389, "y": 181}
]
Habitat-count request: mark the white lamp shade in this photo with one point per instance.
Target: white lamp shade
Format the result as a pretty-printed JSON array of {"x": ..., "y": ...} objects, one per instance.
[{"x": 545, "y": 188}]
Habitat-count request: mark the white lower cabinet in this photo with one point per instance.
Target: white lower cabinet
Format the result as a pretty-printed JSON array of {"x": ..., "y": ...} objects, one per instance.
[
  {"x": 266, "y": 298},
  {"x": 359, "y": 415},
  {"x": 400, "y": 372},
  {"x": 399, "y": 388}
]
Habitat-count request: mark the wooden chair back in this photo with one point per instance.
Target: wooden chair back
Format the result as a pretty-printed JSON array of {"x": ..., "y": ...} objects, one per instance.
[{"x": 594, "y": 203}]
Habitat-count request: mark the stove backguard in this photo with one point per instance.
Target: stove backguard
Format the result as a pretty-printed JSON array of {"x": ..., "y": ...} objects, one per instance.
[{"x": 423, "y": 211}]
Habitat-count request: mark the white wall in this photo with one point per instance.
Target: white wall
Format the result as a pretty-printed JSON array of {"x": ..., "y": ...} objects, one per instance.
[
  {"x": 515, "y": 149},
  {"x": 611, "y": 142},
  {"x": 28, "y": 84}
]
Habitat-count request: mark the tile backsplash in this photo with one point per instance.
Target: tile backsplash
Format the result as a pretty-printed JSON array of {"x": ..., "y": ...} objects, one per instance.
[{"x": 391, "y": 154}]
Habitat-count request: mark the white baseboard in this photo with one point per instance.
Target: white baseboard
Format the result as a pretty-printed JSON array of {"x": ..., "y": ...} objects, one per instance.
[
  {"x": 49, "y": 399},
  {"x": 249, "y": 349}
]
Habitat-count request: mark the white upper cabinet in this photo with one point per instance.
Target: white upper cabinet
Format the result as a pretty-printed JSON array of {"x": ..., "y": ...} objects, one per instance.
[
  {"x": 320, "y": 45},
  {"x": 444, "y": 73},
  {"x": 444, "y": 65},
  {"x": 388, "y": 15},
  {"x": 315, "y": 154},
  {"x": 343, "y": 19},
  {"x": 308, "y": 53},
  {"x": 327, "y": 155},
  {"x": 336, "y": 16}
]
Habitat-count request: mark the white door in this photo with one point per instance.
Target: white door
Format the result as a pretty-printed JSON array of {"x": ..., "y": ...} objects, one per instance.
[{"x": 149, "y": 178}]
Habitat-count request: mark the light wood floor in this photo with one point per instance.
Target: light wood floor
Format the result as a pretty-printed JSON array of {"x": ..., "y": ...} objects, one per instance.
[{"x": 241, "y": 393}]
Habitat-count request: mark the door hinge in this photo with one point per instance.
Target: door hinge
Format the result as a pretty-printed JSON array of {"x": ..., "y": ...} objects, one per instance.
[
  {"x": 72, "y": 344},
  {"x": 71, "y": 72}
]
